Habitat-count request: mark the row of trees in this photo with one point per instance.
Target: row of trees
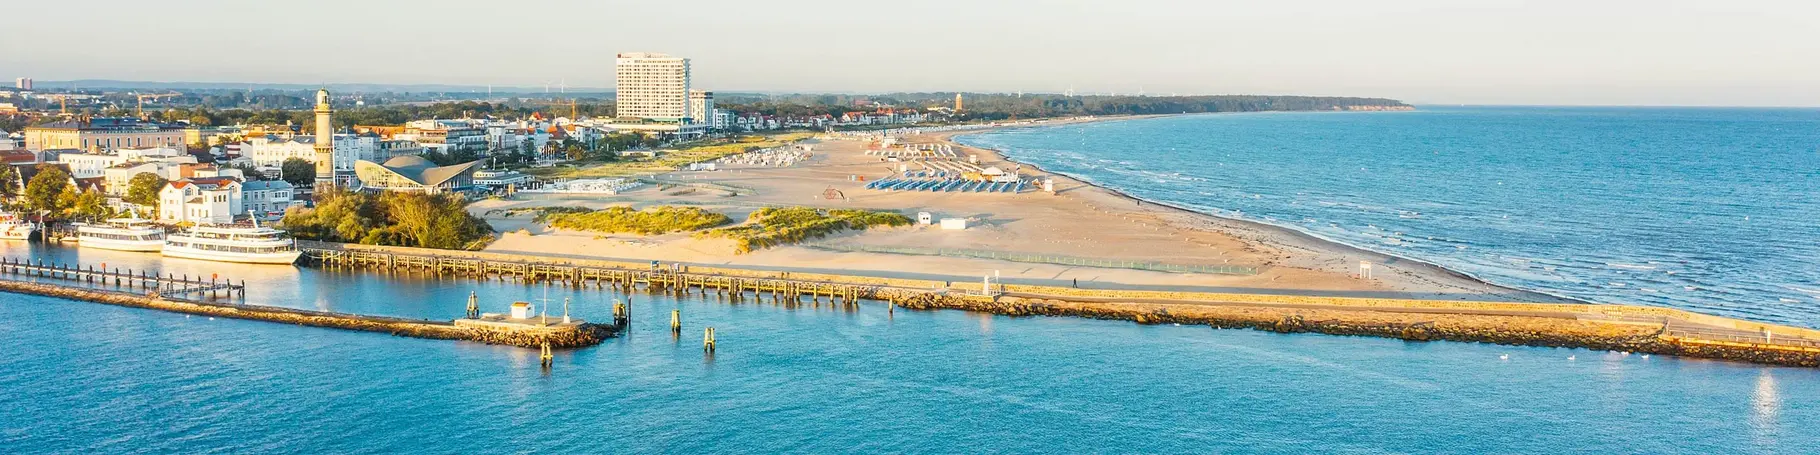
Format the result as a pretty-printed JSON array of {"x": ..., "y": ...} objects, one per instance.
[
  {"x": 980, "y": 106},
  {"x": 391, "y": 218},
  {"x": 49, "y": 193}
]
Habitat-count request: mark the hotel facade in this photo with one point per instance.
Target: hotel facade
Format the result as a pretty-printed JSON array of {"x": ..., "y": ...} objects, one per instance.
[{"x": 652, "y": 86}]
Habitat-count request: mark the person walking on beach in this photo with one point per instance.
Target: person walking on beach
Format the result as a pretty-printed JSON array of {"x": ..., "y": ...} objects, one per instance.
[{"x": 1077, "y": 283}]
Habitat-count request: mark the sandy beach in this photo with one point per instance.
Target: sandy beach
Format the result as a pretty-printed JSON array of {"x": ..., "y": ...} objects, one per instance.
[{"x": 1079, "y": 220}]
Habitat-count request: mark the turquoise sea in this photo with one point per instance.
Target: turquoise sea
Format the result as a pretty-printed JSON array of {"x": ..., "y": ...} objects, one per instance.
[
  {"x": 1709, "y": 209},
  {"x": 78, "y": 377}
]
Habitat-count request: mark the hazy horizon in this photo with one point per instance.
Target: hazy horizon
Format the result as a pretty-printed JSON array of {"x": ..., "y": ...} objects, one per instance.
[{"x": 1676, "y": 53}]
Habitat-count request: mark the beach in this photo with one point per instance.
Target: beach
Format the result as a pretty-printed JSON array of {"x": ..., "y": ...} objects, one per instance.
[{"x": 1078, "y": 221}]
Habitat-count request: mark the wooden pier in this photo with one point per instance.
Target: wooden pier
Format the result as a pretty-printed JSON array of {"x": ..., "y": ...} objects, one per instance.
[
  {"x": 169, "y": 284},
  {"x": 676, "y": 279}
]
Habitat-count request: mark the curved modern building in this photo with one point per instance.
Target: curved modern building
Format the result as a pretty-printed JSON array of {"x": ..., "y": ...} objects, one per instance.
[{"x": 413, "y": 173}]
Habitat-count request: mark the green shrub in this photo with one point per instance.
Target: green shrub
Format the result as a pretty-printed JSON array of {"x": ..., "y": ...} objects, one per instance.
[
  {"x": 651, "y": 221},
  {"x": 772, "y": 226}
]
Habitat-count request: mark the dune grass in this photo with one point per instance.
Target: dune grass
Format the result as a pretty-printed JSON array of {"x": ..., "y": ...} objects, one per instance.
[
  {"x": 613, "y": 220},
  {"x": 774, "y": 226}
]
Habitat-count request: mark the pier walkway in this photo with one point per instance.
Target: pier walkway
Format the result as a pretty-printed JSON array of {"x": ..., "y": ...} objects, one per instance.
[{"x": 170, "y": 284}]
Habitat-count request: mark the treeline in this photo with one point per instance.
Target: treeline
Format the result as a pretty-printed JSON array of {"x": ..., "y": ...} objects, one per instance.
[
  {"x": 980, "y": 106},
  {"x": 390, "y": 218},
  {"x": 380, "y": 115}
]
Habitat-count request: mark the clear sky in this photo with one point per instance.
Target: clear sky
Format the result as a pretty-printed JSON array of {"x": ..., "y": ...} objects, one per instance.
[{"x": 1714, "y": 52}]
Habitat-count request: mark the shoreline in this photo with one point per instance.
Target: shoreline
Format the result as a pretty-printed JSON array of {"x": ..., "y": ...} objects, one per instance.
[{"x": 1382, "y": 258}]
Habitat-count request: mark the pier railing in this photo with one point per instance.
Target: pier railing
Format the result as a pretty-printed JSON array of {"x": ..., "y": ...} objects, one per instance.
[
  {"x": 168, "y": 284},
  {"x": 1032, "y": 258}
]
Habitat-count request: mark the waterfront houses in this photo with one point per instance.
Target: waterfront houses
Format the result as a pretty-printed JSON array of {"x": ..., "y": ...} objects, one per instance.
[
  {"x": 268, "y": 199},
  {"x": 211, "y": 200}
]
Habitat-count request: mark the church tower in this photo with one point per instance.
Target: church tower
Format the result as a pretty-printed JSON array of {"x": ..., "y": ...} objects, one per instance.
[
  {"x": 325, "y": 141},
  {"x": 957, "y": 102}
]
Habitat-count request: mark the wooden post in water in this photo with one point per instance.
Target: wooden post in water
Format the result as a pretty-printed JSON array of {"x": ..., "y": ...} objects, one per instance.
[
  {"x": 707, "y": 342},
  {"x": 473, "y": 304},
  {"x": 675, "y": 322},
  {"x": 547, "y": 357}
]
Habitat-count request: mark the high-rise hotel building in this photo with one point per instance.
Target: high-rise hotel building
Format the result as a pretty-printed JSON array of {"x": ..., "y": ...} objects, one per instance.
[{"x": 652, "y": 86}]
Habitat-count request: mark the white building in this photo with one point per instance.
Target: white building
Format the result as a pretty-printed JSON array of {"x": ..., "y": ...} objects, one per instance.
[
  {"x": 267, "y": 199},
  {"x": 119, "y": 177},
  {"x": 446, "y": 136},
  {"x": 652, "y": 86},
  {"x": 270, "y": 151},
  {"x": 723, "y": 119},
  {"x": 701, "y": 108},
  {"x": 500, "y": 178},
  {"x": 91, "y": 165},
  {"x": 202, "y": 201}
]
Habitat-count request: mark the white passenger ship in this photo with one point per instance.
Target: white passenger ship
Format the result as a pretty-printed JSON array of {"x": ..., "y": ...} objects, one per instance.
[
  {"x": 249, "y": 245},
  {"x": 12, "y": 227},
  {"x": 121, "y": 234}
]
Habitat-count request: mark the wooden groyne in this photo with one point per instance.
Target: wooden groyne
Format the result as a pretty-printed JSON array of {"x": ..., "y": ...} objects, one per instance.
[
  {"x": 570, "y": 336},
  {"x": 672, "y": 277}
]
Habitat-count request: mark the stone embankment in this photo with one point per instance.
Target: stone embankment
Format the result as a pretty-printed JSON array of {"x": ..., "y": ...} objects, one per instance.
[
  {"x": 570, "y": 337},
  {"x": 1479, "y": 328}
]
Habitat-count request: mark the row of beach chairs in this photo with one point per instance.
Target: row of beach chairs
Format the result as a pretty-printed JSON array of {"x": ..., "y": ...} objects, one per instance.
[{"x": 946, "y": 185}]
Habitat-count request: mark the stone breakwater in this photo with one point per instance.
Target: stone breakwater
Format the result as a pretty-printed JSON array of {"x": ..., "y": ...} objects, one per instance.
[
  {"x": 1478, "y": 328},
  {"x": 582, "y": 335}
]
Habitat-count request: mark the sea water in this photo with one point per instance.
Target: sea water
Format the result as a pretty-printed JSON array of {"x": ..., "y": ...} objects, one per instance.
[
  {"x": 1706, "y": 209},
  {"x": 78, "y": 377}
]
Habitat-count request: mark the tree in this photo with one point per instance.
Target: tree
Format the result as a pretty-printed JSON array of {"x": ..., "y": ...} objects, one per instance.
[
  {"x": 41, "y": 194},
  {"x": 143, "y": 190},
  {"x": 297, "y": 171},
  {"x": 528, "y": 147},
  {"x": 9, "y": 182},
  {"x": 576, "y": 152},
  {"x": 66, "y": 202},
  {"x": 91, "y": 205}
]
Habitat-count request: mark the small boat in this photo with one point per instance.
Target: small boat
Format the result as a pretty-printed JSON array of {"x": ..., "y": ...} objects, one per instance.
[
  {"x": 247, "y": 245},
  {"x": 121, "y": 234},
  {"x": 12, "y": 227}
]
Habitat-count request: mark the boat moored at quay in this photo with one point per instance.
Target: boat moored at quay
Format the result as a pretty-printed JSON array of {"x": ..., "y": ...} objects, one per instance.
[
  {"x": 13, "y": 227},
  {"x": 121, "y": 234},
  {"x": 246, "y": 245}
]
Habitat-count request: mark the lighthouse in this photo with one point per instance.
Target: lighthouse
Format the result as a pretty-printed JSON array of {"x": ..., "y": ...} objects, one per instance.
[{"x": 325, "y": 141}]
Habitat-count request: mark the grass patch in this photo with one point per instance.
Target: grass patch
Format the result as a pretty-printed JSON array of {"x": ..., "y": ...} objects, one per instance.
[
  {"x": 666, "y": 162},
  {"x": 650, "y": 221},
  {"x": 774, "y": 226}
]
